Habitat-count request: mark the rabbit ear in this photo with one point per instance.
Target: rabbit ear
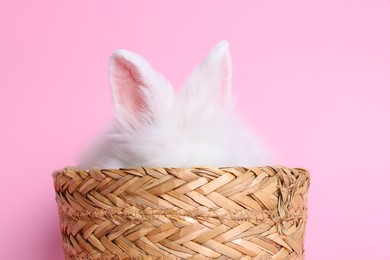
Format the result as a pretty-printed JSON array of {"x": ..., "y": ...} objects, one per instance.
[
  {"x": 140, "y": 94},
  {"x": 211, "y": 80}
]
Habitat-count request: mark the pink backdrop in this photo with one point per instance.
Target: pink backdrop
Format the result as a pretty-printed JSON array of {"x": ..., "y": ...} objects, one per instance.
[{"x": 312, "y": 77}]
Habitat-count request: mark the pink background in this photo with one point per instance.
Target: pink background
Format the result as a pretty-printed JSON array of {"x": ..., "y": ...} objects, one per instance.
[{"x": 312, "y": 78}]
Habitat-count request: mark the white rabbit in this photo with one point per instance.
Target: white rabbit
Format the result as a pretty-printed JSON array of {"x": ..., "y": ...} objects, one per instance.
[{"x": 155, "y": 128}]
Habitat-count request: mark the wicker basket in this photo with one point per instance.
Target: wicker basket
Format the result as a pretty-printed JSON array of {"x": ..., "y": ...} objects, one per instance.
[{"x": 193, "y": 213}]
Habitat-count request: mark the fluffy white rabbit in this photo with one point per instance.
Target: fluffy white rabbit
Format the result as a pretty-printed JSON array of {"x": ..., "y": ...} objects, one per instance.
[{"x": 156, "y": 128}]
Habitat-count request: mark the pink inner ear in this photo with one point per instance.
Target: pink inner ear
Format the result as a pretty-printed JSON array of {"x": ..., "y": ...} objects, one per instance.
[
  {"x": 225, "y": 78},
  {"x": 128, "y": 83}
]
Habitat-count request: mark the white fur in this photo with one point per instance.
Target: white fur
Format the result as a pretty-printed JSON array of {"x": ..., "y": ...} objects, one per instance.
[{"x": 198, "y": 127}]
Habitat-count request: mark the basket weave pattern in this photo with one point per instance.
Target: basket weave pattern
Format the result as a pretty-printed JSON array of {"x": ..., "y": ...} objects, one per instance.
[{"x": 193, "y": 213}]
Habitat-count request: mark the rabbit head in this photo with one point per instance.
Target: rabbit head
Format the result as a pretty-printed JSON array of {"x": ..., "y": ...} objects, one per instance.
[{"x": 156, "y": 128}]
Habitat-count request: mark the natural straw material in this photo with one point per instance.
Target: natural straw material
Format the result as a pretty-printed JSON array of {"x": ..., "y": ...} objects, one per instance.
[{"x": 193, "y": 213}]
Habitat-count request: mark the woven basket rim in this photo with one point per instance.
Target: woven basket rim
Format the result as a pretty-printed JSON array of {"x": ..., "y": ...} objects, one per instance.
[{"x": 71, "y": 168}]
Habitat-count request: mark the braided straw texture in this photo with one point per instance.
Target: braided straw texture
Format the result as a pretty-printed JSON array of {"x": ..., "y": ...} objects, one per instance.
[{"x": 192, "y": 213}]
